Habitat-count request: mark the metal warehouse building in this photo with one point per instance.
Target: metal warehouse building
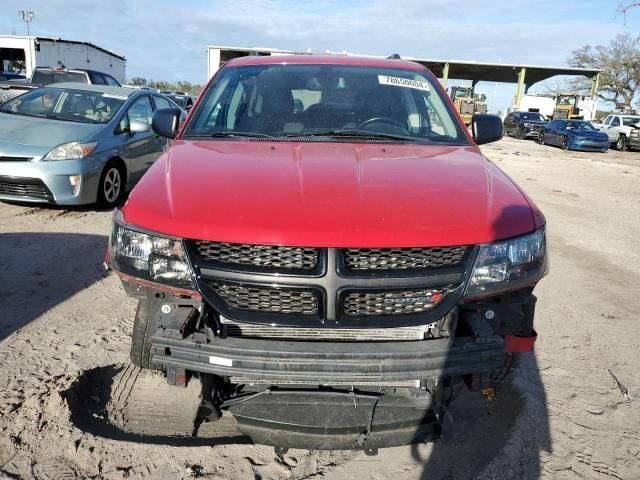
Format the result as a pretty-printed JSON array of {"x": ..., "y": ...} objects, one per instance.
[{"x": 56, "y": 52}]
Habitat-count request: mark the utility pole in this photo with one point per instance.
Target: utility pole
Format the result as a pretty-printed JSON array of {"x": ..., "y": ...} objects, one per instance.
[{"x": 26, "y": 18}]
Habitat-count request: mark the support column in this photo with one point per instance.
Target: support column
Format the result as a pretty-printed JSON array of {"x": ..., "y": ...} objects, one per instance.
[
  {"x": 594, "y": 86},
  {"x": 521, "y": 79},
  {"x": 445, "y": 75}
]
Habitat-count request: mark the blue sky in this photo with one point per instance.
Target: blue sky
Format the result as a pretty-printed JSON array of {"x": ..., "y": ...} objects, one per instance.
[{"x": 167, "y": 40}]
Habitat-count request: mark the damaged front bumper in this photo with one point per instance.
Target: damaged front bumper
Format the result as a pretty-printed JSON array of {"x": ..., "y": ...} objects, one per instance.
[{"x": 328, "y": 363}]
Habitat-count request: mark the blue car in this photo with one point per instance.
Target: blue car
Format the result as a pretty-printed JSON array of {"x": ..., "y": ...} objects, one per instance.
[
  {"x": 574, "y": 135},
  {"x": 75, "y": 144}
]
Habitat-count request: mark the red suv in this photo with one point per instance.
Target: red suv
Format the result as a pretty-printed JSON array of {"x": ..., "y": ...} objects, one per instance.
[{"x": 326, "y": 248}]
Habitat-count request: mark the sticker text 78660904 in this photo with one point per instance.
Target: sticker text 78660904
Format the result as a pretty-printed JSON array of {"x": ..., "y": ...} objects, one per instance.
[{"x": 403, "y": 82}]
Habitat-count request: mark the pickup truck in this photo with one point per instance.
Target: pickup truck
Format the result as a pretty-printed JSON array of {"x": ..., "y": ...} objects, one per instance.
[
  {"x": 325, "y": 247},
  {"x": 623, "y": 131},
  {"x": 46, "y": 75}
]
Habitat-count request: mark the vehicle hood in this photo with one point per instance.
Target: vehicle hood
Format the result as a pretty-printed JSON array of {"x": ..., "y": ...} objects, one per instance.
[
  {"x": 329, "y": 194},
  {"x": 20, "y": 130},
  {"x": 596, "y": 135}
]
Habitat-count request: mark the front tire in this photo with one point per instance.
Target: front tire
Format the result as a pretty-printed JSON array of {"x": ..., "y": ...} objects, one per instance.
[
  {"x": 565, "y": 143},
  {"x": 541, "y": 138},
  {"x": 143, "y": 327},
  {"x": 621, "y": 143},
  {"x": 111, "y": 185}
]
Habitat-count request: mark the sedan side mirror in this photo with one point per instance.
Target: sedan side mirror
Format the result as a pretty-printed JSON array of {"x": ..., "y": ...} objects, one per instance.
[
  {"x": 166, "y": 122},
  {"x": 138, "y": 126},
  {"x": 486, "y": 128}
]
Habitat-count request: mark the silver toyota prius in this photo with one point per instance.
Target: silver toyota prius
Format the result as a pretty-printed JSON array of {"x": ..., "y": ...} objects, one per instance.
[{"x": 74, "y": 144}]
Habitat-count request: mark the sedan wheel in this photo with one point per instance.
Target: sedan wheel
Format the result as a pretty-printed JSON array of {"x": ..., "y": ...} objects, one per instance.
[
  {"x": 111, "y": 187},
  {"x": 519, "y": 133},
  {"x": 541, "y": 138},
  {"x": 620, "y": 143},
  {"x": 565, "y": 143}
]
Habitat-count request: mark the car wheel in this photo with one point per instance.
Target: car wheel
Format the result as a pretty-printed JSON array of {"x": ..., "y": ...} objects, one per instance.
[
  {"x": 541, "y": 138},
  {"x": 111, "y": 186},
  {"x": 519, "y": 133},
  {"x": 499, "y": 375},
  {"x": 143, "y": 328},
  {"x": 565, "y": 143},
  {"x": 620, "y": 143}
]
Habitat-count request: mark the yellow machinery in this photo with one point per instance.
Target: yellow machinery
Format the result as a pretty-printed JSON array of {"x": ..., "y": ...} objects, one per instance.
[
  {"x": 480, "y": 103},
  {"x": 567, "y": 107},
  {"x": 464, "y": 102}
]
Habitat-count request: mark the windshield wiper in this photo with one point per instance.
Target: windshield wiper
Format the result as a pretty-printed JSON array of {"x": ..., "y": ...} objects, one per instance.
[
  {"x": 71, "y": 119},
  {"x": 354, "y": 133},
  {"x": 232, "y": 134}
]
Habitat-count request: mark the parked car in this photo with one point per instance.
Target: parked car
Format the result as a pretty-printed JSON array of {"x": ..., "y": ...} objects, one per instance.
[
  {"x": 73, "y": 144},
  {"x": 183, "y": 99},
  {"x": 524, "y": 124},
  {"x": 47, "y": 75},
  {"x": 574, "y": 135},
  {"x": 623, "y": 131},
  {"x": 8, "y": 76},
  {"x": 360, "y": 252}
]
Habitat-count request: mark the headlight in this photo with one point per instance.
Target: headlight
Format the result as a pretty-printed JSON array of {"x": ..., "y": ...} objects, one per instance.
[
  {"x": 70, "y": 151},
  {"x": 150, "y": 257},
  {"x": 508, "y": 265},
  {"x": 525, "y": 124}
]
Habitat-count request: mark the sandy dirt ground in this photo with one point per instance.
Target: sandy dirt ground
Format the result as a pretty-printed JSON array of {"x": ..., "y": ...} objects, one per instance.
[{"x": 71, "y": 406}]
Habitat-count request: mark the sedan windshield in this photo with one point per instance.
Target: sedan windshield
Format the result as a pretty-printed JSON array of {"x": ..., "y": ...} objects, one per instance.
[
  {"x": 335, "y": 102},
  {"x": 533, "y": 116},
  {"x": 575, "y": 125},
  {"x": 66, "y": 104}
]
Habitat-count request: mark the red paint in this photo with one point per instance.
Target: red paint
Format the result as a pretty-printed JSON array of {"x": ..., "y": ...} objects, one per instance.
[
  {"x": 328, "y": 194},
  {"x": 513, "y": 344}
]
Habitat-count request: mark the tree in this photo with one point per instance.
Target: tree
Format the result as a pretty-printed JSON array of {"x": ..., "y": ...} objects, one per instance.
[
  {"x": 160, "y": 85},
  {"x": 620, "y": 65},
  {"x": 138, "y": 82}
]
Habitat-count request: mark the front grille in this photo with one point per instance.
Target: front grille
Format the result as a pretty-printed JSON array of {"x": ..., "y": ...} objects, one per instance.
[
  {"x": 363, "y": 259},
  {"x": 5, "y": 158},
  {"x": 254, "y": 330},
  {"x": 260, "y": 257},
  {"x": 396, "y": 302},
  {"x": 267, "y": 299},
  {"x": 24, "y": 187}
]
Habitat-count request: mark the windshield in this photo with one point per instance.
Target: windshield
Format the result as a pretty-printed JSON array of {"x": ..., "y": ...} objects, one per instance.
[
  {"x": 630, "y": 120},
  {"x": 65, "y": 104},
  {"x": 533, "y": 116},
  {"x": 574, "y": 125},
  {"x": 326, "y": 100}
]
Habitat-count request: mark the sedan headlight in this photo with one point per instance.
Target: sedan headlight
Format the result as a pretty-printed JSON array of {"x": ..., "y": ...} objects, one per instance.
[
  {"x": 508, "y": 265},
  {"x": 149, "y": 256},
  {"x": 70, "y": 151}
]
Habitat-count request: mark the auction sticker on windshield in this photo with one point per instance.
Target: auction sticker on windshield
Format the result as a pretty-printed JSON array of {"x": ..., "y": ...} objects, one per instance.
[{"x": 403, "y": 82}]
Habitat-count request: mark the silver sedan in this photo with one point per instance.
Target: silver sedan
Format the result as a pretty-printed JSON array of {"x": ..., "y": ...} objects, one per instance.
[{"x": 74, "y": 144}]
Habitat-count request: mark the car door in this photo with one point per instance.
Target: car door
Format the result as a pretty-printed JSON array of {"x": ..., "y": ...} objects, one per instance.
[
  {"x": 614, "y": 128},
  {"x": 549, "y": 133},
  {"x": 142, "y": 147}
]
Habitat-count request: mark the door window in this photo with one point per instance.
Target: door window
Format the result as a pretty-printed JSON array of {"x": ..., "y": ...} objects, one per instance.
[
  {"x": 615, "y": 122},
  {"x": 112, "y": 82},
  {"x": 161, "y": 102},
  {"x": 141, "y": 110}
]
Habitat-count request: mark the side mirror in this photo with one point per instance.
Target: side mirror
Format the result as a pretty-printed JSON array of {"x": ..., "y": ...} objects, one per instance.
[
  {"x": 166, "y": 122},
  {"x": 138, "y": 126},
  {"x": 486, "y": 128}
]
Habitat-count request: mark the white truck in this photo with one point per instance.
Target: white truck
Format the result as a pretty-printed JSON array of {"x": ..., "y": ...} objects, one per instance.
[{"x": 623, "y": 131}]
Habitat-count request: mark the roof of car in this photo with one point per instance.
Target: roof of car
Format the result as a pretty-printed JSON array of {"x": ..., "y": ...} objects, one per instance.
[
  {"x": 324, "y": 60},
  {"x": 122, "y": 91}
]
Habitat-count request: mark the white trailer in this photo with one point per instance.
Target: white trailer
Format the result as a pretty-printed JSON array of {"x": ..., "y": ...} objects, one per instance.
[
  {"x": 584, "y": 106},
  {"x": 56, "y": 52}
]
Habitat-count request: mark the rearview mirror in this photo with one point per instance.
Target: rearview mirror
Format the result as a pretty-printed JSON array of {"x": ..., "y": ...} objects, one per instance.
[
  {"x": 166, "y": 122},
  {"x": 486, "y": 128},
  {"x": 138, "y": 126}
]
